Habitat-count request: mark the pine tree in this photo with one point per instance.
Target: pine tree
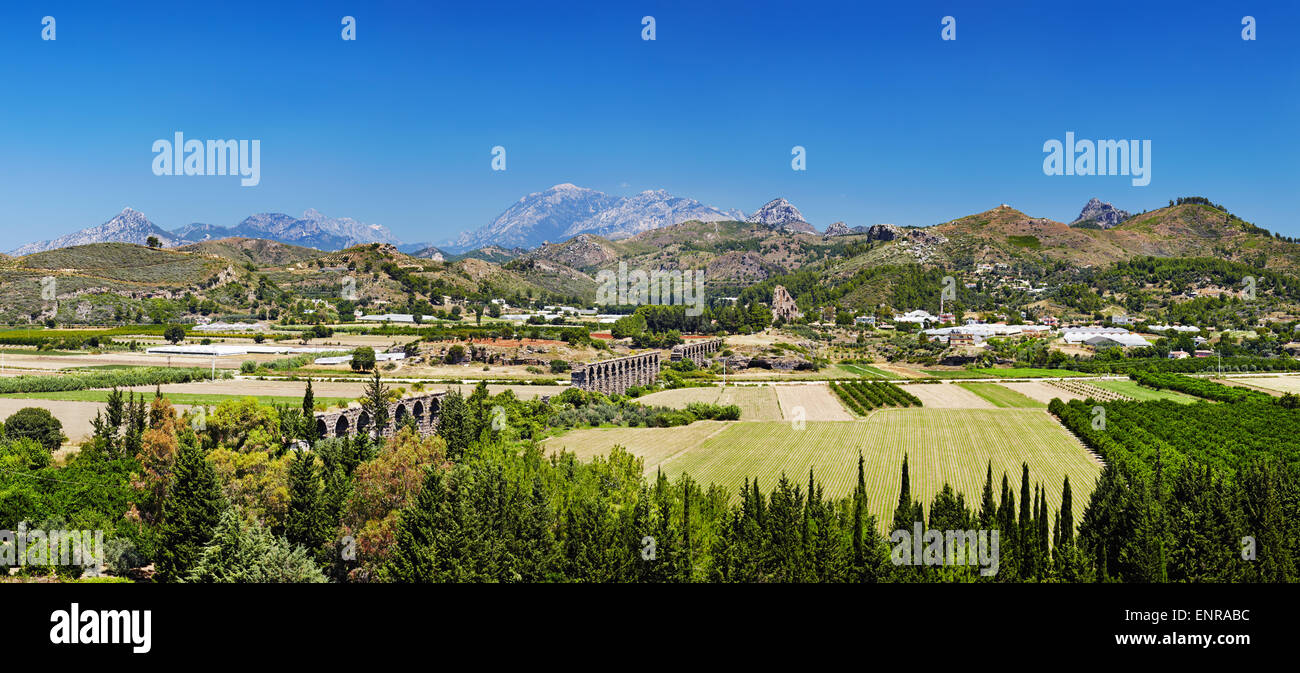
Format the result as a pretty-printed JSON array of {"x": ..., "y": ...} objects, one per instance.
[{"x": 190, "y": 515}]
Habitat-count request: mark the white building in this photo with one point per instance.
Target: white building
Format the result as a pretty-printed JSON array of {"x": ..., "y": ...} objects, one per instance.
[
  {"x": 1112, "y": 340},
  {"x": 340, "y": 359},
  {"x": 395, "y": 317},
  {"x": 918, "y": 317},
  {"x": 1189, "y": 329},
  {"x": 986, "y": 330},
  {"x": 219, "y": 350},
  {"x": 1077, "y": 335},
  {"x": 230, "y": 327}
]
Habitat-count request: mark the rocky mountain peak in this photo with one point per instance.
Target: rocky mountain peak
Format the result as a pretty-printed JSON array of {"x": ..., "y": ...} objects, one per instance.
[
  {"x": 775, "y": 213},
  {"x": 1103, "y": 215}
]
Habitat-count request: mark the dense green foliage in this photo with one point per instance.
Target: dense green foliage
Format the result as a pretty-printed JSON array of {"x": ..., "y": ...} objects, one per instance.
[
  {"x": 1190, "y": 490},
  {"x": 1198, "y": 387}
]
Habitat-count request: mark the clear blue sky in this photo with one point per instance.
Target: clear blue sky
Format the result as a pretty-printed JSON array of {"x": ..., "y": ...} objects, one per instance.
[{"x": 397, "y": 127}]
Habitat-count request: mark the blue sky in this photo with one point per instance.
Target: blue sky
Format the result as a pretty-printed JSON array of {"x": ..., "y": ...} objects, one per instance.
[{"x": 397, "y": 127}]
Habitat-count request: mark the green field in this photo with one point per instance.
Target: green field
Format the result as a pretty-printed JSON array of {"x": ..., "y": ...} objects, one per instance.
[
  {"x": 1008, "y": 373},
  {"x": 952, "y": 445},
  {"x": 205, "y": 399},
  {"x": 1143, "y": 393},
  {"x": 867, "y": 371},
  {"x": 1002, "y": 396}
]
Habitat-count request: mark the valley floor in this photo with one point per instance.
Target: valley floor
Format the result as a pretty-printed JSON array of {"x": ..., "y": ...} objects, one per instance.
[{"x": 942, "y": 445}]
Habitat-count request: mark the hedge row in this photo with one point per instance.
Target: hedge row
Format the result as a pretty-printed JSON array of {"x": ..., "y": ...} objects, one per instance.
[{"x": 122, "y": 378}]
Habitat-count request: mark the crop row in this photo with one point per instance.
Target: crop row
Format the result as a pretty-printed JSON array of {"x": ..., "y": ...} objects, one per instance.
[
  {"x": 863, "y": 396},
  {"x": 123, "y": 378}
]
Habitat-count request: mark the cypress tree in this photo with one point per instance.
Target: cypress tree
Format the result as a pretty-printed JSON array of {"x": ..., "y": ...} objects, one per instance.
[
  {"x": 1067, "y": 513},
  {"x": 859, "y": 519},
  {"x": 453, "y": 425},
  {"x": 309, "y": 415},
  {"x": 303, "y": 524},
  {"x": 904, "y": 514},
  {"x": 375, "y": 402},
  {"x": 1044, "y": 531},
  {"x": 988, "y": 508}
]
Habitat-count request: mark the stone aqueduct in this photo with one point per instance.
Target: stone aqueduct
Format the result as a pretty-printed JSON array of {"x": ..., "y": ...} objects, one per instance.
[
  {"x": 616, "y": 376},
  {"x": 353, "y": 420},
  {"x": 696, "y": 351}
]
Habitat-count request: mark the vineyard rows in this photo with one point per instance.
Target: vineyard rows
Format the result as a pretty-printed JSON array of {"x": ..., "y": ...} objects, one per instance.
[{"x": 863, "y": 396}]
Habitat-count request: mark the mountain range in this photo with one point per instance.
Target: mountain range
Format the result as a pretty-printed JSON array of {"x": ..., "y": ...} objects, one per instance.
[
  {"x": 737, "y": 257},
  {"x": 554, "y": 215},
  {"x": 312, "y": 230}
]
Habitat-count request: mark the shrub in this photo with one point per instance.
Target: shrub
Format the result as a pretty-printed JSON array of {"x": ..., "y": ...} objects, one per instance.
[{"x": 36, "y": 424}]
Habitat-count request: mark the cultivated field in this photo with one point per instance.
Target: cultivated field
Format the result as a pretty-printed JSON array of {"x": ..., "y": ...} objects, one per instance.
[
  {"x": 75, "y": 416},
  {"x": 947, "y": 396},
  {"x": 757, "y": 403},
  {"x": 942, "y": 445},
  {"x": 818, "y": 402},
  {"x": 1001, "y": 396},
  {"x": 1041, "y": 392},
  {"x": 1142, "y": 393},
  {"x": 1281, "y": 384},
  {"x": 656, "y": 446},
  {"x": 868, "y": 371}
]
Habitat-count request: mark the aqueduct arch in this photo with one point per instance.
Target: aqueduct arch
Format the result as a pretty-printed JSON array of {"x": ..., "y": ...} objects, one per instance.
[
  {"x": 616, "y": 376},
  {"x": 353, "y": 420}
]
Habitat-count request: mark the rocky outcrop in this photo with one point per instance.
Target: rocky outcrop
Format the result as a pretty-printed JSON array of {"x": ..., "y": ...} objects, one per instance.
[
  {"x": 884, "y": 232},
  {"x": 1100, "y": 214},
  {"x": 783, "y": 305},
  {"x": 924, "y": 237},
  {"x": 838, "y": 229}
]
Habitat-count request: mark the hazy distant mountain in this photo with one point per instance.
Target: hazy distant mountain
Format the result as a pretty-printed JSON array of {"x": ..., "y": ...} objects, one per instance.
[
  {"x": 129, "y": 226},
  {"x": 648, "y": 210},
  {"x": 538, "y": 217},
  {"x": 313, "y": 230},
  {"x": 566, "y": 210},
  {"x": 1102, "y": 215}
]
